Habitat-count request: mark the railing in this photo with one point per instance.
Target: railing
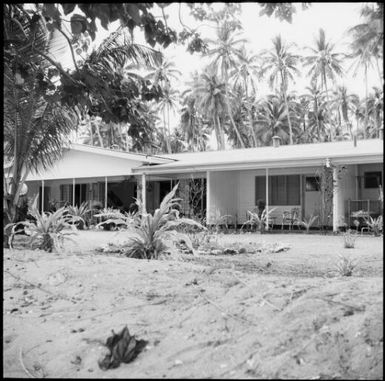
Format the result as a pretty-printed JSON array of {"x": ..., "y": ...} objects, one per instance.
[{"x": 357, "y": 209}]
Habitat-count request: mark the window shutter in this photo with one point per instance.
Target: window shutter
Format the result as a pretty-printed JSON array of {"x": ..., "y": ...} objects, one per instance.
[
  {"x": 293, "y": 190},
  {"x": 260, "y": 188}
]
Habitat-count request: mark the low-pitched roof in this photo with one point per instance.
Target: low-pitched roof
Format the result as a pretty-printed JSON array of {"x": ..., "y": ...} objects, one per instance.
[
  {"x": 343, "y": 152},
  {"x": 151, "y": 159}
]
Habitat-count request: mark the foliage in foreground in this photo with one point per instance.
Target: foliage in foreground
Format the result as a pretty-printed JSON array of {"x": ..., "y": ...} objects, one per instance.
[
  {"x": 375, "y": 225},
  {"x": 80, "y": 214},
  {"x": 258, "y": 221},
  {"x": 345, "y": 266},
  {"x": 349, "y": 239},
  {"x": 148, "y": 235},
  {"x": 47, "y": 231},
  {"x": 307, "y": 223}
]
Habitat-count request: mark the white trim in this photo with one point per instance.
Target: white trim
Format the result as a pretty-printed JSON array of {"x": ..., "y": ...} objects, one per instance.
[
  {"x": 105, "y": 191},
  {"x": 121, "y": 154},
  {"x": 208, "y": 198},
  {"x": 267, "y": 199},
  {"x": 73, "y": 192}
]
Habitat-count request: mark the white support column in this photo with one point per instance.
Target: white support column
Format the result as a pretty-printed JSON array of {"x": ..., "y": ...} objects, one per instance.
[
  {"x": 73, "y": 192},
  {"x": 338, "y": 206},
  {"x": 105, "y": 192},
  {"x": 267, "y": 199},
  {"x": 208, "y": 198},
  {"x": 42, "y": 196},
  {"x": 144, "y": 192},
  {"x": 357, "y": 181}
]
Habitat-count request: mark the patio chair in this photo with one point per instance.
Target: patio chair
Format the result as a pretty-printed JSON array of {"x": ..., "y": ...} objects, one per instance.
[{"x": 290, "y": 217}]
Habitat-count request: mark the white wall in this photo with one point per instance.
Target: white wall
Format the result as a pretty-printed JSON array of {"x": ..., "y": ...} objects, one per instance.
[
  {"x": 371, "y": 193},
  {"x": 222, "y": 194},
  {"x": 76, "y": 164},
  {"x": 246, "y": 192}
]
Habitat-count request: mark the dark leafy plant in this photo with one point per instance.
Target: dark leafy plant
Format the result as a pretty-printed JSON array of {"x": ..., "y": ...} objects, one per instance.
[
  {"x": 80, "y": 215},
  {"x": 47, "y": 232},
  {"x": 149, "y": 234},
  {"x": 258, "y": 221},
  {"x": 307, "y": 223}
]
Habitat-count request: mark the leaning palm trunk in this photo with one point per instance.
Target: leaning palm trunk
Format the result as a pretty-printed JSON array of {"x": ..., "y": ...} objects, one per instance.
[
  {"x": 366, "y": 101},
  {"x": 289, "y": 121},
  {"x": 327, "y": 102},
  {"x": 230, "y": 114}
]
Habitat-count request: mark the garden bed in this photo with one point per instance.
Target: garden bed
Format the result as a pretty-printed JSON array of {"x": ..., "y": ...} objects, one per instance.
[{"x": 263, "y": 315}]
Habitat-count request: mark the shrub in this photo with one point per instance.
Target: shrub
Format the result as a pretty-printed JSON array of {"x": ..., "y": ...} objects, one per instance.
[
  {"x": 80, "y": 215},
  {"x": 349, "y": 239},
  {"x": 112, "y": 217},
  {"x": 256, "y": 220},
  {"x": 47, "y": 231},
  {"x": 345, "y": 266},
  {"x": 375, "y": 224},
  {"x": 148, "y": 235},
  {"x": 307, "y": 222}
]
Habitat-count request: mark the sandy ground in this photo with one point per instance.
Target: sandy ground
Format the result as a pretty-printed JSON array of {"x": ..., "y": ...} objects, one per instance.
[{"x": 263, "y": 315}]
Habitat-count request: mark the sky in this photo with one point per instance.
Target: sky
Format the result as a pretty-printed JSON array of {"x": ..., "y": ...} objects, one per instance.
[{"x": 334, "y": 18}]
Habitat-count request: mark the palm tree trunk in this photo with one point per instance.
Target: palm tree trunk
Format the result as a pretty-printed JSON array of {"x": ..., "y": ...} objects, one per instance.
[
  {"x": 327, "y": 102},
  {"x": 92, "y": 134},
  {"x": 250, "y": 114},
  {"x": 220, "y": 134},
  {"x": 230, "y": 114},
  {"x": 283, "y": 83},
  {"x": 99, "y": 136},
  {"x": 166, "y": 135},
  {"x": 366, "y": 100},
  {"x": 168, "y": 127}
]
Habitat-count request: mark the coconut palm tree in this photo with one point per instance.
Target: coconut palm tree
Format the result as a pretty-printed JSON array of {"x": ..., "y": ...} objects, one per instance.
[
  {"x": 163, "y": 72},
  {"x": 224, "y": 51},
  {"x": 281, "y": 67},
  {"x": 191, "y": 123},
  {"x": 344, "y": 104},
  {"x": 167, "y": 103},
  {"x": 244, "y": 74},
  {"x": 272, "y": 120},
  {"x": 375, "y": 106},
  {"x": 363, "y": 58},
  {"x": 324, "y": 63},
  {"x": 210, "y": 95},
  {"x": 369, "y": 35}
]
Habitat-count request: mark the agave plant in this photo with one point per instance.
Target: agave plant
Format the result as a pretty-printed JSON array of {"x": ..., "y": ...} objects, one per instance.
[
  {"x": 79, "y": 215},
  {"x": 149, "y": 234},
  {"x": 47, "y": 231},
  {"x": 259, "y": 221},
  {"x": 115, "y": 217},
  {"x": 307, "y": 223}
]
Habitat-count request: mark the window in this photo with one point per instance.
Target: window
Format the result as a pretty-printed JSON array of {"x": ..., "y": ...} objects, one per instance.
[
  {"x": 372, "y": 179},
  {"x": 312, "y": 184},
  {"x": 283, "y": 190}
]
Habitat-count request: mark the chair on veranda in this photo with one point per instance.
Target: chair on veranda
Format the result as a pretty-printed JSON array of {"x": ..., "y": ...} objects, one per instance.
[{"x": 290, "y": 217}]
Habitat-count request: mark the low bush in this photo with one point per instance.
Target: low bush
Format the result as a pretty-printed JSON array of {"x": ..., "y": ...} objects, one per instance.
[
  {"x": 307, "y": 223},
  {"x": 345, "y": 266},
  {"x": 149, "y": 234},
  {"x": 349, "y": 239}
]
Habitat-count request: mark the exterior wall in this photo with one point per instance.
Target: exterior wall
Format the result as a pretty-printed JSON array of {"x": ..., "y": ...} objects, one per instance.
[
  {"x": 222, "y": 195},
  {"x": 76, "y": 164},
  {"x": 124, "y": 190},
  {"x": 372, "y": 193},
  {"x": 246, "y": 192}
]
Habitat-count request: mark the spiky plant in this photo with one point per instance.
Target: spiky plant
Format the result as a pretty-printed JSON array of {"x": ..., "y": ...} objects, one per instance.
[
  {"x": 47, "y": 232},
  {"x": 115, "y": 217},
  {"x": 258, "y": 221},
  {"x": 349, "y": 239},
  {"x": 307, "y": 223},
  {"x": 80, "y": 215},
  {"x": 345, "y": 266},
  {"x": 375, "y": 224},
  {"x": 148, "y": 235}
]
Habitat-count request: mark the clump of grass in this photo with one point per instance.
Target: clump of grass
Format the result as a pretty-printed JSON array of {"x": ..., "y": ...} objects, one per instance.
[
  {"x": 345, "y": 266},
  {"x": 349, "y": 239},
  {"x": 307, "y": 223},
  {"x": 258, "y": 221}
]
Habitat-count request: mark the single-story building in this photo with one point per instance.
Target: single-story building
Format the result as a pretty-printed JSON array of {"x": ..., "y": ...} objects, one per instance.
[{"x": 231, "y": 182}]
